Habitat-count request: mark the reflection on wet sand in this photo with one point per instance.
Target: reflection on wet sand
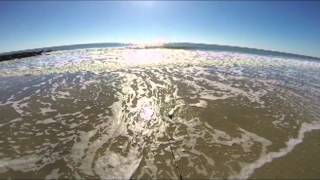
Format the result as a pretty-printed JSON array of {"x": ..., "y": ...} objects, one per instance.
[{"x": 152, "y": 113}]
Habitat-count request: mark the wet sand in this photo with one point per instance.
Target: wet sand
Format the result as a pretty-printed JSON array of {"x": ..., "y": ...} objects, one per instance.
[{"x": 302, "y": 163}]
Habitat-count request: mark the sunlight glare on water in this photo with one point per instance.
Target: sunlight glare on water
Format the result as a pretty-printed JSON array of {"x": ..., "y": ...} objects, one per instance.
[{"x": 147, "y": 113}]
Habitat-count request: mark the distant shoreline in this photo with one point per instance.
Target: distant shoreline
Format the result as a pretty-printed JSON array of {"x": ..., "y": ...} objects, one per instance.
[{"x": 181, "y": 45}]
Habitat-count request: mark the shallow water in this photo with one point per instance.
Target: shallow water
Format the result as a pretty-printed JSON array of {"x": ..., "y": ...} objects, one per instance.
[{"x": 124, "y": 113}]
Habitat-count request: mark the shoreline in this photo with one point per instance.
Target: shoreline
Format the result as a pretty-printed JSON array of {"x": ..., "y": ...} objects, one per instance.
[{"x": 305, "y": 154}]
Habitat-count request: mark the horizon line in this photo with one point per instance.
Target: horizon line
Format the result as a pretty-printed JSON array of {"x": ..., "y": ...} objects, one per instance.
[{"x": 159, "y": 44}]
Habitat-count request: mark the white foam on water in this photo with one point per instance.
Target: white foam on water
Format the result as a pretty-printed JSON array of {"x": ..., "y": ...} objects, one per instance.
[
  {"x": 78, "y": 152},
  {"x": 53, "y": 175},
  {"x": 268, "y": 157},
  {"x": 279, "y": 122},
  {"x": 46, "y": 121},
  {"x": 201, "y": 104},
  {"x": 46, "y": 110},
  {"x": 24, "y": 163},
  {"x": 84, "y": 151},
  {"x": 115, "y": 166},
  {"x": 18, "y": 119}
]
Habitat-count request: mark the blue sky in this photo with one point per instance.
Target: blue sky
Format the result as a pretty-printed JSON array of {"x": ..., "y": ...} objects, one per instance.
[{"x": 289, "y": 26}]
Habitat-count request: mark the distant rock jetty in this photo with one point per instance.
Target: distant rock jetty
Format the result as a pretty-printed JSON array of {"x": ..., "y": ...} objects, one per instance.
[
  {"x": 21, "y": 54},
  {"x": 39, "y": 51}
]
